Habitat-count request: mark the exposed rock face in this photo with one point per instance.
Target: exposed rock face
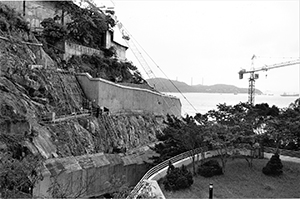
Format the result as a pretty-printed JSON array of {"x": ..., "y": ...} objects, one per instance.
[
  {"x": 88, "y": 135},
  {"x": 29, "y": 96},
  {"x": 22, "y": 118},
  {"x": 22, "y": 115},
  {"x": 31, "y": 90}
]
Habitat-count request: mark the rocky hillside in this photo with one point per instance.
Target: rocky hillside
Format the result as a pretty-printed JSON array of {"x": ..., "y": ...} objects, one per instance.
[
  {"x": 32, "y": 88},
  {"x": 29, "y": 96}
]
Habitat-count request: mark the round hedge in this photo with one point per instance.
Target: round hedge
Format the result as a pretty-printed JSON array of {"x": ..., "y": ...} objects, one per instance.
[
  {"x": 178, "y": 178},
  {"x": 210, "y": 168},
  {"x": 274, "y": 166}
]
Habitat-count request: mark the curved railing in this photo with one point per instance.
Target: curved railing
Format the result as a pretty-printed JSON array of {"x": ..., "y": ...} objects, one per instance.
[
  {"x": 285, "y": 152},
  {"x": 185, "y": 155},
  {"x": 161, "y": 166}
]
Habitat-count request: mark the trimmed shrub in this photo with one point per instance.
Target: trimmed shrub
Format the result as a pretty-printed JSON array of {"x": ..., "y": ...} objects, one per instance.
[
  {"x": 178, "y": 178},
  {"x": 274, "y": 166},
  {"x": 210, "y": 168}
]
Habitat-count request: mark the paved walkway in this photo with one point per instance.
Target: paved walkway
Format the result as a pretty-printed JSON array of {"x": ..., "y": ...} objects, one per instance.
[{"x": 283, "y": 157}]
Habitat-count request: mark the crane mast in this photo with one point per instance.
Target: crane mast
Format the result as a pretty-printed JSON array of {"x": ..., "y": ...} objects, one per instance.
[{"x": 254, "y": 75}]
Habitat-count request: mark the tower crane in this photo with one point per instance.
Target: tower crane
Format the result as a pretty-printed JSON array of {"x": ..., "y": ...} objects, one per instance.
[{"x": 254, "y": 75}]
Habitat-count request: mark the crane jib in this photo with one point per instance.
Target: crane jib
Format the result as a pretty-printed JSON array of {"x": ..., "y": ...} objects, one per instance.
[{"x": 253, "y": 76}]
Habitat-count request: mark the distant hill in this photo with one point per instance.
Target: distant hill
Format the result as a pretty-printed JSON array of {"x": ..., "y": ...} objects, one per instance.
[{"x": 165, "y": 85}]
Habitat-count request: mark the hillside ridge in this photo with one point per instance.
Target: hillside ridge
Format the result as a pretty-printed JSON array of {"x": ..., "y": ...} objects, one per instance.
[{"x": 165, "y": 85}]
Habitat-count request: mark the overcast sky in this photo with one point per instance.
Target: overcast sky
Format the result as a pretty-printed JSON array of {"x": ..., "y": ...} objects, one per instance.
[{"x": 210, "y": 41}]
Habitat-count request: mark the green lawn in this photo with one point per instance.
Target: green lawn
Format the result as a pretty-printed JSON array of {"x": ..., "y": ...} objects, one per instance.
[{"x": 240, "y": 181}]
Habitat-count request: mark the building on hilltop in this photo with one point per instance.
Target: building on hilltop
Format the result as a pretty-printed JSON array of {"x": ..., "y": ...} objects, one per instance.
[
  {"x": 35, "y": 12},
  {"x": 114, "y": 39}
]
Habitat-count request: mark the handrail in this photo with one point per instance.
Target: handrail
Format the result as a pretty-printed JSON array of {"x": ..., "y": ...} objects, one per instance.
[
  {"x": 182, "y": 156},
  {"x": 23, "y": 42},
  {"x": 283, "y": 152},
  {"x": 161, "y": 166}
]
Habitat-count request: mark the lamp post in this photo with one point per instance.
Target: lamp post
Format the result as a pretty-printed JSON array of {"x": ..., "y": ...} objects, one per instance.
[{"x": 211, "y": 188}]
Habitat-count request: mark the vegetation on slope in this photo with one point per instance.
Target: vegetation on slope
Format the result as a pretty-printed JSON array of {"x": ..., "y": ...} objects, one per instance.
[
  {"x": 17, "y": 163},
  {"x": 11, "y": 21},
  {"x": 87, "y": 27},
  {"x": 106, "y": 68},
  {"x": 28, "y": 97}
]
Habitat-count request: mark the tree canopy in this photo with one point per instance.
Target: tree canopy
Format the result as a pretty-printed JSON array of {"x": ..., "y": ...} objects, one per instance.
[
  {"x": 87, "y": 25},
  {"x": 282, "y": 130},
  {"x": 227, "y": 128}
]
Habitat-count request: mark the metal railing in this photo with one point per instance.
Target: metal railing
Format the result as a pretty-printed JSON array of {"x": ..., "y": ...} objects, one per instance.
[
  {"x": 161, "y": 166},
  {"x": 187, "y": 154},
  {"x": 283, "y": 152}
]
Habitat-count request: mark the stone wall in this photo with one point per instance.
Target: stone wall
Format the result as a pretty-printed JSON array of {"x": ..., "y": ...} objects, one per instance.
[
  {"x": 88, "y": 175},
  {"x": 118, "y": 98},
  {"x": 76, "y": 49},
  {"x": 35, "y": 11}
]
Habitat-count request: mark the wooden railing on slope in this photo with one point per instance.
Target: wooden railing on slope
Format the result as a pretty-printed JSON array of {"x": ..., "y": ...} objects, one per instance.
[{"x": 161, "y": 166}]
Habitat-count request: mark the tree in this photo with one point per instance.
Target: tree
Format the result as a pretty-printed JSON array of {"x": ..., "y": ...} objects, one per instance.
[
  {"x": 178, "y": 137},
  {"x": 230, "y": 128},
  {"x": 53, "y": 31},
  {"x": 282, "y": 130},
  {"x": 88, "y": 26},
  {"x": 191, "y": 136},
  {"x": 222, "y": 140},
  {"x": 168, "y": 146}
]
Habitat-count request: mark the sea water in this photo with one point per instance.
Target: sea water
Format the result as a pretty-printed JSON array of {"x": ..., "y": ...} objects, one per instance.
[{"x": 193, "y": 103}]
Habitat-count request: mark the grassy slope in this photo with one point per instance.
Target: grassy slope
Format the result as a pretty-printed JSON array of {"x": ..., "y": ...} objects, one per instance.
[{"x": 240, "y": 181}]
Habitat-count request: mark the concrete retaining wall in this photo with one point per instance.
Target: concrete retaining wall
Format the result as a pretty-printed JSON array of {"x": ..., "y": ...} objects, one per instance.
[
  {"x": 75, "y": 49},
  {"x": 118, "y": 98},
  {"x": 88, "y": 175}
]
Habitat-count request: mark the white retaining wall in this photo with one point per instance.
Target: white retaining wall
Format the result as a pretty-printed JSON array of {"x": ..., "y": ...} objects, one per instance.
[
  {"x": 119, "y": 98},
  {"x": 76, "y": 49}
]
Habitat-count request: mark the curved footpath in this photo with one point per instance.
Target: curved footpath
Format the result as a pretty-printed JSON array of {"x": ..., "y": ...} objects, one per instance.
[
  {"x": 149, "y": 182},
  {"x": 283, "y": 157}
]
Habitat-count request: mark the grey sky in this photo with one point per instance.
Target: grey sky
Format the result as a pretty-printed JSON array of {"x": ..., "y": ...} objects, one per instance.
[{"x": 210, "y": 41}]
